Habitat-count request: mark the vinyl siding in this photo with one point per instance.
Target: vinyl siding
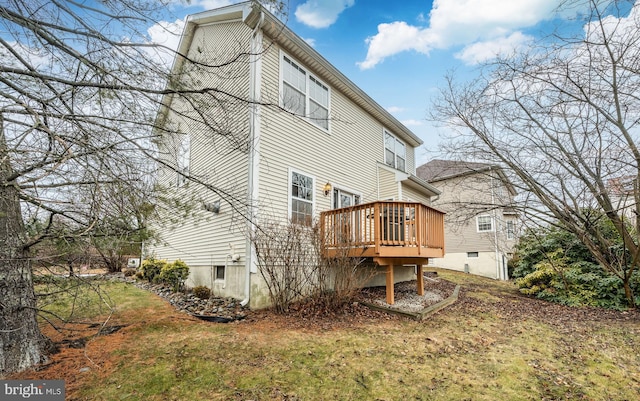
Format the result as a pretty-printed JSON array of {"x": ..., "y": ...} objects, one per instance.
[
  {"x": 464, "y": 198},
  {"x": 388, "y": 186},
  {"x": 413, "y": 195},
  {"x": 346, "y": 156},
  {"x": 218, "y": 157},
  {"x": 461, "y": 233},
  {"x": 350, "y": 155}
]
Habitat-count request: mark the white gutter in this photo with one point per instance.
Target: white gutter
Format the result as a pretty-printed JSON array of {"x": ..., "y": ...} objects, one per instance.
[{"x": 254, "y": 141}]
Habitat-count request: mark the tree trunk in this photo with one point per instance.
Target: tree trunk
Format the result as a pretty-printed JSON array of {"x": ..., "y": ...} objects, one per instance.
[
  {"x": 21, "y": 343},
  {"x": 628, "y": 292}
]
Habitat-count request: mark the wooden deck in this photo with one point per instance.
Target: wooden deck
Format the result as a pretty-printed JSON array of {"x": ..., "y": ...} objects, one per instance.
[{"x": 390, "y": 233}]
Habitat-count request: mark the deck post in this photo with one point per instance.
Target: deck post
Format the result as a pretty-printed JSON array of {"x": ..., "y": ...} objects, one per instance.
[
  {"x": 390, "y": 293},
  {"x": 420, "y": 280},
  {"x": 377, "y": 230}
]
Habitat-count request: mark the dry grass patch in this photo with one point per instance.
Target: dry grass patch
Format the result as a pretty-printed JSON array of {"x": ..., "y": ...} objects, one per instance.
[{"x": 477, "y": 349}]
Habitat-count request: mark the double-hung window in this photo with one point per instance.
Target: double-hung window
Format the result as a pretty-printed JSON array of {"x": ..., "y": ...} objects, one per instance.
[
  {"x": 395, "y": 152},
  {"x": 485, "y": 223},
  {"x": 304, "y": 94},
  {"x": 301, "y": 198},
  {"x": 511, "y": 229}
]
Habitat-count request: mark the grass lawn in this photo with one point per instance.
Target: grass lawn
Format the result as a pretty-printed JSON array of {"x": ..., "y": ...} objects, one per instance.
[{"x": 493, "y": 344}]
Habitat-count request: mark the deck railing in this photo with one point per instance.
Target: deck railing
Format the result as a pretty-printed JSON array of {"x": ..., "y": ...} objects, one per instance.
[{"x": 384, "y": 229}]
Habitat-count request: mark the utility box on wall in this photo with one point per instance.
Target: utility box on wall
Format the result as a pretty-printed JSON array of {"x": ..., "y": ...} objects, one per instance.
[{"x": 133, "y": 263}]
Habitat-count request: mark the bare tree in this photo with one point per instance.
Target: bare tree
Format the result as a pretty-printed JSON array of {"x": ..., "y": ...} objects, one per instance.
[
  {"x": 563, "y": 117},
  {"x": 80, "y": 88}
]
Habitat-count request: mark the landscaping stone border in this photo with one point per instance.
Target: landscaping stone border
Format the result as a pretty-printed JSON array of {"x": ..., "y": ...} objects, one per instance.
[{"x": 418, "y": 315}]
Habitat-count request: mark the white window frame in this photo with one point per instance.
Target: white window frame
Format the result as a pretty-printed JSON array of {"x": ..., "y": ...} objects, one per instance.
[
  {"x": 309, "y": 80},
  {"x": 291, "y": 198},
  {"x": 338, "y": 190},
  {"x": 480, "y": 230},
  {"x": 397, "y": 145},
  {"x": 218, "y": 279},
  {"x": 183, "y": 158}
]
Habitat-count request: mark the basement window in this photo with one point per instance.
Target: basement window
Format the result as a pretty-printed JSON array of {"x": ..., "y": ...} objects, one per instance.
[
  {"x": 219, "y": 273},
  {"x": 472, "y": 254}
]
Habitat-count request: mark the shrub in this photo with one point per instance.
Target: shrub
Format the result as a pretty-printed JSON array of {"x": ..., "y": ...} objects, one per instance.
[
  {"x": 578, "y": 283},
  {"x": 537, "y": 281},
  {"x": 202, "y": 292},
  {"x": 284, "y": 255},
  {"x": 128, "y": 272},
  {"x": 151, "y": 268},
  {"x": 290, "y": 260},
  {"x": 174, "y": 274},
  {"x": 554, "y": 265}
]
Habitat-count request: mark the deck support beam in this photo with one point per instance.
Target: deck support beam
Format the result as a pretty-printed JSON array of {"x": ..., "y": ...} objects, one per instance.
[{"x": 389, "y": 263}]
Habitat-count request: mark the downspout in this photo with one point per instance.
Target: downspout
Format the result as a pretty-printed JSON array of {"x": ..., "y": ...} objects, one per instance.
[
  {"x": 254, "y": 139},
  {"x": 378, "y": 181},
  {"x": 495, "y": 230}
]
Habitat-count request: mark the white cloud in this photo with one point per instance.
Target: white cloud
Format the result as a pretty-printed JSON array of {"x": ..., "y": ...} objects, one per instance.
[
  {"x": 391, "y": 39},
  {"x": 310, "y": 41},
  {"x": 483, "y": 51},
  {"x": 616, "y": 28},
  {"x": 412, "y": 123},
  {"x": 461, "y": 22},
  {"x": 211, "y": 4},
  {"x": 321, "y": 13},
  {"x": 394, "y": 109},
  {"x": 37, "y": 58},
  {"x": 166, "y": 34}
]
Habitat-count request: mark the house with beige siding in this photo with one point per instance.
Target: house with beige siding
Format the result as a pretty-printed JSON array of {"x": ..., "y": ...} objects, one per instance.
[
  {"x": 623, "y": 191},
  {"x": 297, "y": 142},
  {"x": 480, "y": 224}
]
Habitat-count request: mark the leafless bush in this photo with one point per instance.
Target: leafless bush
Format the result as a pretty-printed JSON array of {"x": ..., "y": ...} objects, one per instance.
[
  {"x": 341, "y": 275},
  {"x": 285, "y": 257},
  {"x": 292, "y": 261}
]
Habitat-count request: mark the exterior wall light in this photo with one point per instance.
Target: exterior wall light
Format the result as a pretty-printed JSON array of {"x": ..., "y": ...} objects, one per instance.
[{"x": 326, "y": 189}]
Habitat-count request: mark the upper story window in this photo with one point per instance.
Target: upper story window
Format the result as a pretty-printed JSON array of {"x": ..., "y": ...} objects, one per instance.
[
  {"x": 485, "y": 223},
  {"x": 304, "y": 94},
  {"x": 183, "y": 155},
  {"x": 301, "y": 187},
  {"x": 511, "y": 229},
  {"x": 395, "y": 152}
]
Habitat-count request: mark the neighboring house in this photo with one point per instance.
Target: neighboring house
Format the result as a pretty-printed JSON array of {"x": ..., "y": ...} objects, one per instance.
[
  {"x": 311, "y": 142},
  {"x": 623, "y": 191},
  {"x": 480, "y": 225}
]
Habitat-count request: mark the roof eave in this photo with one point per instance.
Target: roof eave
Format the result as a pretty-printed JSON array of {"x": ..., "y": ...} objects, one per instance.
[
  {"x": 419, "y": 183},
  {"x": 294, "y": 44}
]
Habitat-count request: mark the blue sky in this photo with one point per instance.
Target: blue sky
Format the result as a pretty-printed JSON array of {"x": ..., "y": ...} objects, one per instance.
[{"x": 399, "y": 51}]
